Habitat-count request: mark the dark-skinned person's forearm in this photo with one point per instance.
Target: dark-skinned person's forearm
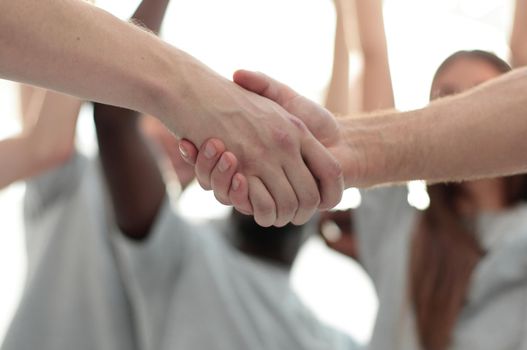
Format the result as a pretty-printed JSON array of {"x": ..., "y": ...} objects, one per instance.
[
  {"x": 135, "y": 183},
  {"x": 133, "y": 177},
  {"x": 150, "y": 14}
]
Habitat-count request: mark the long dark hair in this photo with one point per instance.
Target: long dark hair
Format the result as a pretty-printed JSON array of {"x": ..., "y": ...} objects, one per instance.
[{"x": 445, "y": 249}]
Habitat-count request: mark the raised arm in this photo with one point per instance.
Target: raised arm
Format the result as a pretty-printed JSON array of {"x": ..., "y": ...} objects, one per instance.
[
  {"x": 518, "y": 41},
  {"x": 134, "y": 180},
  {"x": 377, "y": 83},
  {"x": 360, "y": 27},
  {"x": 338, "y": 98},
  {"x": 72, "y": 46},
  {"x": 47, "y": 139}
]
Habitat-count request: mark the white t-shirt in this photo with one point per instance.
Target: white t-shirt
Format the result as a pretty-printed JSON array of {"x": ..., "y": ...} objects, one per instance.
[
  {"x": 74, "y": 297},
  {"x": 495, "y": 314},
  {"x": 184, "y": 287}
]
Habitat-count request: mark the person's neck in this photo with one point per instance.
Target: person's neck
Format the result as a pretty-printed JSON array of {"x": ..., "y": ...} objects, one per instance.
[
  {"x": 281, "y": 252},
  {"x": 284, "y": 260}
]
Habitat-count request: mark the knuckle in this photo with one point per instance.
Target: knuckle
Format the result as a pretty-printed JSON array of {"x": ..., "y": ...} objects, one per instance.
[
  {"x": 284, "y": 139},
  {"x": 266, "y": 209},
  {"x": 334, "y": 170},
  {"x": 299, "y": 124},
  {"x": 288, "y": 207},
  {"x": 310, "y": 199},
  {"x": 253, "y": 164}
]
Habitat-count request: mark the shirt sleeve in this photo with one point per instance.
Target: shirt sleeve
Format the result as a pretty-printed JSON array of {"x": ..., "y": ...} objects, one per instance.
[
  {"x": 44, "y": 191},
  {"x": 383, "y": 222},
  {"x": 169, "y": 243},
  {"x": 151, "y": 268}
]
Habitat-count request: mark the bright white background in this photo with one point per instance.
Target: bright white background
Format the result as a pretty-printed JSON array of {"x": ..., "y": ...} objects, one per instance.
[{"x": 291, "y": 40}]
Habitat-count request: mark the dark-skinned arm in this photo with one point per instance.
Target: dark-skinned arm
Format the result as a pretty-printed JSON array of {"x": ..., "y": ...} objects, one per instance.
[{"x": 132, "y": 174}]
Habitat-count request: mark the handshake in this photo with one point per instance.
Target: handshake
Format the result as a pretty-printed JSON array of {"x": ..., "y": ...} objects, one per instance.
[{"x": 280, "y": 166}]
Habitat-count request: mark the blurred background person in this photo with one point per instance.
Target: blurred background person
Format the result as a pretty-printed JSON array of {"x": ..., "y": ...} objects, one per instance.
[
  {"x": 223, "y": 284},
  {"x": 451, "y": 277}
]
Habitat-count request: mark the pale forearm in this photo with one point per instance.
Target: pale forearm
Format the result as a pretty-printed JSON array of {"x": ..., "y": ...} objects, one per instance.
[
  {"x": 377, "y": 84},
  {"x": 53, "y": 134},
  {"x": 74, "y": 47},
  {"x": 20, "y": 159},
  {"x": 477, "y": 134},
  {"x": 337, "y": 100},
  {"x": 47, "y": 143},
  {"x": 518, "y": 41}
]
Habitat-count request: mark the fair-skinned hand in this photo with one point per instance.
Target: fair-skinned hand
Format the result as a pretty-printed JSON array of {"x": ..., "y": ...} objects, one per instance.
[
  {"x": 289, "y": 173},
  {"x": 232, "y": 186}
]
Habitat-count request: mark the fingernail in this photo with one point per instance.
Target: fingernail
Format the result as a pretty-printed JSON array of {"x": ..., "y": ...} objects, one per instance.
[
  {"x": 210, "y": 150},
  {"x": 183, "y": 151},
  {"x": 223, "y": 165},
  {"x": 235, "y": 184}
]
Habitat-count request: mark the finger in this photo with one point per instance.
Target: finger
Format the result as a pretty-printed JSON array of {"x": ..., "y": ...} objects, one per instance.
[
  {"x": 188, "y": 151},
  {"x": 306, "y": 190},
  {"x": 282, "y": 192},
  {"x": 209, "y": 154},
  {"x": 222, "y": 177},
  {"x": 326, "y": 170},
  {"x": 239, "y": 194},
  {"x": 263, "y": 204}
]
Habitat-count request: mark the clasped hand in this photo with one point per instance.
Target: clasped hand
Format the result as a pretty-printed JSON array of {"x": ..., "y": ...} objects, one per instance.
[{"x": 308, "y": 178}]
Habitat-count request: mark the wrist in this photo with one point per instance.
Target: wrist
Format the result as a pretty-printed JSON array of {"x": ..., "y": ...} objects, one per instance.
[
  {"x": 380, "y": 149},
  {"x": 158, "y": 82},
  {"x": 364, "y": 152},
  {"x": 179, "y": 89}
]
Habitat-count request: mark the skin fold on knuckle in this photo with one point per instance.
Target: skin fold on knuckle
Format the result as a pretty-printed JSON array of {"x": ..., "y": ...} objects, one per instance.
[
  {"x": 285, "y": 140},
  {"x": 265, "y": 214},
  {"x": 310, "y": 199},
  {"x": 298, "y": 124},
  {"x": 287, "y": 210}
]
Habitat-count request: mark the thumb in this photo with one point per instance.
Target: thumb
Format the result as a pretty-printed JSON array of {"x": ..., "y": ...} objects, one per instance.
[
  {"x": 317, "y": 119},
  {"x": 265, "y": 86}
]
